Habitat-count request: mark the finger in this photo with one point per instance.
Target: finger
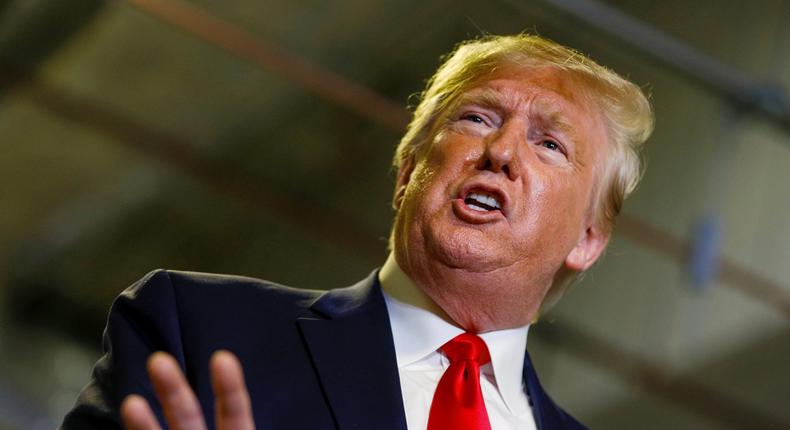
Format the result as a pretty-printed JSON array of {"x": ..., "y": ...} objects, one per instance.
[
  {"x": 137, "y": 415},
  {"x": 180, "y": 406},
  {"x": 232, "y": 404}
]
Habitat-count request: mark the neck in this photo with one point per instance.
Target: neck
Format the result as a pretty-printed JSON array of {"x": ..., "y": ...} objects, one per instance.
[
  {"x": 400, "y": 287},
  {"x": 476, "y": 301}
]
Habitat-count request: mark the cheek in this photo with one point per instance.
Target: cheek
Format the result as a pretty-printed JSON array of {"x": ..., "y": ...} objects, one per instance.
[
  {"x": 556, "y": 210},
  {"x": 452, "y": 149},
  {"x": 433, "y": 176},
  {"x": 422, "y": 193},
  {"x": 569, "y": 194},
  {"x": 420, "y": 183}
]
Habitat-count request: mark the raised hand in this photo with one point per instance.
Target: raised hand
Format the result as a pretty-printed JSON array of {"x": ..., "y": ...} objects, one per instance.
[{"x": 179, "y": 403}]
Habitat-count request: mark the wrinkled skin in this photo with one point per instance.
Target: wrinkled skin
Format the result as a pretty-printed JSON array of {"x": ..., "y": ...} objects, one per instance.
[{"x": 528, "y": 138}]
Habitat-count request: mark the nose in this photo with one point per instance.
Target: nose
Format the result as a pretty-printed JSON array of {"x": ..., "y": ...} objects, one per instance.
[{"x": 501, "y": 151}]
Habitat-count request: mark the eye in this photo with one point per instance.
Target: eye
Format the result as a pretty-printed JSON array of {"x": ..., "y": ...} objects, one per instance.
[
  {"x": 476, "y": 120},
  {"x": 555, "y": 150},
  {"x": 473, "y": 117},
  {"x": 552, "y": 145}
]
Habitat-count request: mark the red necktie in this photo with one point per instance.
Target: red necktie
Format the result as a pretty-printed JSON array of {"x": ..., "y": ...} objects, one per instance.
[{"x": 458, "y": 402}]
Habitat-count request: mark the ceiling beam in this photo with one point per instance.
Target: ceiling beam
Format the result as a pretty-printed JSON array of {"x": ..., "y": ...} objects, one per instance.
[
  {"x": 34, "y": 30},
  {"x": 269, "y": 57},
  {"x": 746, "y": 93}
]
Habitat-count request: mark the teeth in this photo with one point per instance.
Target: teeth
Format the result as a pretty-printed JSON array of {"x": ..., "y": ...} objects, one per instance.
[{"x": 485, "y": 199}]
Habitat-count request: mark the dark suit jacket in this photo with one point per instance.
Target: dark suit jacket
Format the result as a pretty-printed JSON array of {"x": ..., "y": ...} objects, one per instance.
[{"x": 312, "y": 359}]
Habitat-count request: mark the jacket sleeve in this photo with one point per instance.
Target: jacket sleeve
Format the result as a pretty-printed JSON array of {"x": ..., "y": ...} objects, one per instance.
[{"x": 143, "y": 319}]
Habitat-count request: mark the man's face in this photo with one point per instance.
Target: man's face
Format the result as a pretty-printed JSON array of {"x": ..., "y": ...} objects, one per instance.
[{"x": 503, "y": 195}]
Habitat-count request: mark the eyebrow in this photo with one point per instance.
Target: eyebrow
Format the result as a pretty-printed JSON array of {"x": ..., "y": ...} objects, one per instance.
[
  {"x": 554, "y": 119},
  {"x": 486, "y": 98}
]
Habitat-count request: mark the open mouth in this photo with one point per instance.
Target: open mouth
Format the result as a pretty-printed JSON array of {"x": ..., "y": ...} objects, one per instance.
[{"x": 482, "y": 201}]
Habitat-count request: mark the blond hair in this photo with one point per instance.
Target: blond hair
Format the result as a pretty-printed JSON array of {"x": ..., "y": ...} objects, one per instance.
[{"x": 625, "y": 110}]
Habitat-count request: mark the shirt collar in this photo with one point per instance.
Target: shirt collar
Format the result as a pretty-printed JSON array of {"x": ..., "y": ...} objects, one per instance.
[
  {"x": 418, "y": 332},
  {"x": 507, "y": 349}
]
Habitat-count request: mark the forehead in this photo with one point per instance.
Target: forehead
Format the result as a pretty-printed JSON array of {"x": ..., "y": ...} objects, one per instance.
[{"x": 547, "y": 88}]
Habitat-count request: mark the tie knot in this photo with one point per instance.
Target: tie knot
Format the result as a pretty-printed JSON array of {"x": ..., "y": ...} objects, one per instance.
[{"x": 467, "y": 347}]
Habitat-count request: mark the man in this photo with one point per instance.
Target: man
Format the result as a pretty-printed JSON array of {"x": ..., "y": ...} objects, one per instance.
[{"x": 512, "y": 170}]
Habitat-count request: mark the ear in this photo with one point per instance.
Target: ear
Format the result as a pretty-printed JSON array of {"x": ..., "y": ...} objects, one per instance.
[
  {"x": 588, "y": 249},
  {"x": 402, "y": 180}
]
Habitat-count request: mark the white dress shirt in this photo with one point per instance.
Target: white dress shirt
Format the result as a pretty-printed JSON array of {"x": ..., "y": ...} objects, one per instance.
[{"x": 418, "y": 334}]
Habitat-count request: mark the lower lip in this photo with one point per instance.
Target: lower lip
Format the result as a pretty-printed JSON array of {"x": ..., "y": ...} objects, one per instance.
[{"x": 465, "y": 213}]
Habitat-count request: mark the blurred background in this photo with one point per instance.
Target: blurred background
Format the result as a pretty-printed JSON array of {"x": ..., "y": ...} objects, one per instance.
[{"x": 255, "y": 138}]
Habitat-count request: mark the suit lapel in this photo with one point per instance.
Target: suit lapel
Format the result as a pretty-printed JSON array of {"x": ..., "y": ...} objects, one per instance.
[{"x": 353, "y": 353}]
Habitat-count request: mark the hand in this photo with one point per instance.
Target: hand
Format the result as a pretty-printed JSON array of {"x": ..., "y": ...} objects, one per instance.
[{"x": 179, "y": 403}]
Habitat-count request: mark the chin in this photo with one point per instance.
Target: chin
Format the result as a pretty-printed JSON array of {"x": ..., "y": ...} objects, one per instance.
[{"x": 466, "y": 249}]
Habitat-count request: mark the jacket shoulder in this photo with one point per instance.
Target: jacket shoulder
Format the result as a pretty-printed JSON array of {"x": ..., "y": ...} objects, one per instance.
[
  {"x": 204, "y": 282},
  {"x": 189, "y": 315},
  {"x": 182, "y": 293}
]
